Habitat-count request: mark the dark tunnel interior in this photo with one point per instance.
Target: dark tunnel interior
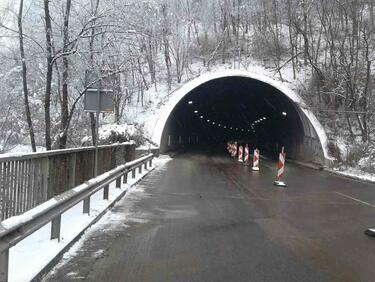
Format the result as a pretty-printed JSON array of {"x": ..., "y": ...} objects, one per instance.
[{"x": 234, "y": 109}]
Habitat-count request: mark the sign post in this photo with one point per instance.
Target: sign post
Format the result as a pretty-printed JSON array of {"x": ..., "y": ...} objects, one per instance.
[{"x": 98, "y": 99}]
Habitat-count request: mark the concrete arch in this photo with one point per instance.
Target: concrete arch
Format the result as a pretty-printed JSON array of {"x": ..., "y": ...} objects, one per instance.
[{"x": 315, "y": 136}]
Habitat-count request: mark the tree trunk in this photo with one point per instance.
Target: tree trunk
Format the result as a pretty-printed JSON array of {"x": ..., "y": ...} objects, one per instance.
[
  {"x": 93, "y": 128},
  {"x": 166, "y": 47},
  {"x": 291, "y": 38},
  {"x": 65, "y": 74},
  {"x": 91, "y": 48},
  {"x": 24, "y": 79},
  {"x": 305, "y": 43},
  {"x": 47, "y": 95}
]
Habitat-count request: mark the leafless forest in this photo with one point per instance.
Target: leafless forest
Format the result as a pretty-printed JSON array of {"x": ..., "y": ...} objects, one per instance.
[{"x": 46, "y": 47}]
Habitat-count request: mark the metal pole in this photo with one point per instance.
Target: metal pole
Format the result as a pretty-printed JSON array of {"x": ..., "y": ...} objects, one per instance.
[{"x": 97, "y": 125}]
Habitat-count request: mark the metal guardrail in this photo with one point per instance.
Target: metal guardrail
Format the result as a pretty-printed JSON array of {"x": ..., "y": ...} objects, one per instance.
[
  {"x": 17, "y": 228},
  {"x": 27, "y": 180}
]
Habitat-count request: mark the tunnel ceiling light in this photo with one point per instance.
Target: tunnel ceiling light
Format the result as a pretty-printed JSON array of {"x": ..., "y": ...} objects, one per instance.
[
  {"x": 213, "y": 122},
  {"x": 225, "y": 126},
  {"x": 231, "y": 127},
  {"x": 236, "y": 128},
  {"x": 208, "y": 120},
  {"x": 219, "y": 124},
  {"x": 264, "y": 118},
  {"x": 201, "y": 116},
  {"x": 242, "y": 129},
  {"x": 284, "y": 113},
  {"x": 190, "y": 102},
  {"x": 195, "y": 111}
]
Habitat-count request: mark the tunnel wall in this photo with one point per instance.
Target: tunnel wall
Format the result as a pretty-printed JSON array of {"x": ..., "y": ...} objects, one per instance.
[
  {"x": 312, "y": 147},
  {"x": 309, "y": 147}
]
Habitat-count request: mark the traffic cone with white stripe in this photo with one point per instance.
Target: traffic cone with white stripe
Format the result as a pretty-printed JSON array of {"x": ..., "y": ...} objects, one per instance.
[
  {"x": 256, "y": 160},
  {"x": 280, "y": 169},
  {"x": 246, "y": 160},
  {"x": 240, "y": 154}
]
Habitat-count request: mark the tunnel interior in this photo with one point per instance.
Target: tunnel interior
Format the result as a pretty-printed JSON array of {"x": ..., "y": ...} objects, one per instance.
[{"x": 238, "y": 109}]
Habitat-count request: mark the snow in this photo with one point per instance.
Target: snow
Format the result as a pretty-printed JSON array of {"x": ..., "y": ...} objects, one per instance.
[
  {"x": 14, "y": 221},
  {"x": 355, "y": 173},
  {"x": 72, "y": 223},
  {"x": 23, "y": 148},
  {"x": 51, "y": 152},
  {"x": 147, "y": 147},
  {"x": 128, "y": 130}
]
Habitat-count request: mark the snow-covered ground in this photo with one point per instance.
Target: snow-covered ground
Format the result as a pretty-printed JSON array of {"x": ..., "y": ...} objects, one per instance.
[
  {"x": 22, "y": 148},
  {"x": 356, "y": 173},
  {"x": 36, "y": 251}
]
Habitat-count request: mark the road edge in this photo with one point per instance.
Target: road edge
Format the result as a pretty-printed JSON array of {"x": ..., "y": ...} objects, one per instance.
[
  {"x": 44, "y": 271},
  {"x": 331, "y": 171}
]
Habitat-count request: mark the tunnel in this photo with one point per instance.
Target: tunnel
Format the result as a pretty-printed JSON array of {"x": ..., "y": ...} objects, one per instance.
[{"x": 237, "y": 106}]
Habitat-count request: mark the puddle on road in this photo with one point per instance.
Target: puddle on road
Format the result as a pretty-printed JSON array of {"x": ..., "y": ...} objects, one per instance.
[{"x": 178, "y": 213}]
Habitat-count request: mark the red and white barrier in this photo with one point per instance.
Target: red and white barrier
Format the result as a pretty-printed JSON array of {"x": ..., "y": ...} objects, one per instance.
[
  {"x": 234, "y": 149},
  {"x": 246, "y": 154},
  {"x": 229, "y": 147},
  {"x": 280, "y": 169},
  {"x": 256, "y": 160},
  {"x": 240, "y": 154}
]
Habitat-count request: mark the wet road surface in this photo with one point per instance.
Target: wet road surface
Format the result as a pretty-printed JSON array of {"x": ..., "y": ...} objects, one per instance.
[{"x": 207, "y": 218}]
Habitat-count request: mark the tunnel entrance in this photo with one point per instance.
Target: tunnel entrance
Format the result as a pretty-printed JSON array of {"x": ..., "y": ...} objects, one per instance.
[{"x": 240, "y": 106}]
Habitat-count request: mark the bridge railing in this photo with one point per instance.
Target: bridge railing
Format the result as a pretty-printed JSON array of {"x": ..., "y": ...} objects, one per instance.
[
  {"x": 19, "y": 227},
  {"x": 27, "y": 180}
]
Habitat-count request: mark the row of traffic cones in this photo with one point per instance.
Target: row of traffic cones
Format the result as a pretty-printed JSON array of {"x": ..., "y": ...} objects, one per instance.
[{"x": 243, "y": 156}]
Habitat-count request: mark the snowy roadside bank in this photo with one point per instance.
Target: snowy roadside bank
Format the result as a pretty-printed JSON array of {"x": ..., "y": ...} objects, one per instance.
[
  {"x": 354, "y": 174},
  {"x": 351, "y": 173},
  {"x": 36, "y": 254}
]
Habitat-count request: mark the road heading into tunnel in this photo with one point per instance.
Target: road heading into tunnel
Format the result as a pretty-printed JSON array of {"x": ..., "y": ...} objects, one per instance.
[
  {"x": 208, "y": 218},
  {"x": 226, "y": 105}
]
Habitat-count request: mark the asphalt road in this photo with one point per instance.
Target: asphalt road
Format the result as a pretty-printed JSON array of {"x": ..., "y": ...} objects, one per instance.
[{"x": 207, "y": 218}]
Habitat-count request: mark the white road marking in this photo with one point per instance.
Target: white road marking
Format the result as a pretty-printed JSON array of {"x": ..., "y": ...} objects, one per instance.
[{"x": 354, "y": 199}]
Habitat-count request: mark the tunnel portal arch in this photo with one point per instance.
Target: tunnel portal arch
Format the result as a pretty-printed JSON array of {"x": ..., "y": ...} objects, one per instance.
[{"x": 313, "y": 147}]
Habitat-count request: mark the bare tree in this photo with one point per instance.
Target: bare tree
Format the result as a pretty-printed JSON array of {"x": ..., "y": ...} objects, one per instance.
[
  {"x": 65, "y": 74},
  {"x": 49, "y": 71},
  {"x": 24, "y": 78}
]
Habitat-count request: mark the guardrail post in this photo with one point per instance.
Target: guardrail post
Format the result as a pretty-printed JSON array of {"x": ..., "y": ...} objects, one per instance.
[
  {"x": 4, "y": 265},
  {"x": 133, "y": 173},
  {"x": 150, "y": 162},
  {"x": 118, "y": 182},
  {"x": 140, "y": 168},
  {"x": 105, "y": 192},
  {"x": 56, "y": 228},
  {"x": 145, "y": 164},
  {"x": 73, "y": 170},
  {"x": 86, "y": 205},
  {"x": 125, "y": 178}
]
